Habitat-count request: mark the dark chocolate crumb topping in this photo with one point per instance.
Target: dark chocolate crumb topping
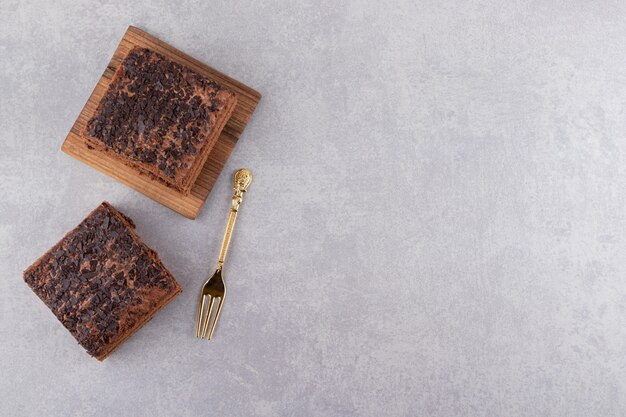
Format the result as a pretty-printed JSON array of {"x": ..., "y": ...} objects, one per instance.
[
  {"x": 157, "y": 112},
  {"x": 100, "y": 279}
]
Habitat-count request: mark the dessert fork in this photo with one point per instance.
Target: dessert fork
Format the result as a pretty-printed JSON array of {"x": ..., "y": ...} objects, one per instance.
[{"x": 214, "y": 289}]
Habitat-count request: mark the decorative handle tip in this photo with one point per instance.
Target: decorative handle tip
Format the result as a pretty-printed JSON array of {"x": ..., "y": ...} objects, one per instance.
[{"x": 243, "y": 178}]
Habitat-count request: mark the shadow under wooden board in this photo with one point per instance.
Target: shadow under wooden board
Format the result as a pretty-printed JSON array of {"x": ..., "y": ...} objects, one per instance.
[{"x": 189, "y": 206}]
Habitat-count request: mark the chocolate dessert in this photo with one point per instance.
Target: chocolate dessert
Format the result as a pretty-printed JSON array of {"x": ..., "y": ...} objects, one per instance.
[
  {"x": 101, "y": 281},
  {"x": 160, "y": 117}
]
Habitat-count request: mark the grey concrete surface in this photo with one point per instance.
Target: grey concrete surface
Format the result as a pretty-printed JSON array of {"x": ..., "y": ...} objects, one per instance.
[{"x": 436, "y": 225}]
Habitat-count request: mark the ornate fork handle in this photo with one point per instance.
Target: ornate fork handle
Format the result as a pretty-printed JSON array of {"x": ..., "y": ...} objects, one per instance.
[{"x": 243, "y": 178}]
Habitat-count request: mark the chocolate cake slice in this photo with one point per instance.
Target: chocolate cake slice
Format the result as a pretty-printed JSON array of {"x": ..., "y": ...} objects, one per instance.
[
  {"x": 101, "y": 281},
  {"x": 160, "y": 117}
]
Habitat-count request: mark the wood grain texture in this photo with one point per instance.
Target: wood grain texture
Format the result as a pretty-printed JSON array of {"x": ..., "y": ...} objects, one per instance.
[{"x": 189, "y": 206}]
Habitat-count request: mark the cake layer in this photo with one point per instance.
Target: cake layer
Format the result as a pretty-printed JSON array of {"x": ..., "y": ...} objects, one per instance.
[
  {"x": 160, "y": 117},
  {"x": 101, "y": 281}
]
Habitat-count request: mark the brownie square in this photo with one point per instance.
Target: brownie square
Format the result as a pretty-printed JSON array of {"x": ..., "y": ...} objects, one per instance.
[
  {"x": 101, "y": 281},
  {"x": 160, "y": 117}
]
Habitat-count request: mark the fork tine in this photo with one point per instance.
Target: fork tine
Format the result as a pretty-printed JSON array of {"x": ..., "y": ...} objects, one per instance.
[
  {"x": 205, "y": 325},
  {"x": 199, "y": 320},
  {"x": 217, "y": 316}
]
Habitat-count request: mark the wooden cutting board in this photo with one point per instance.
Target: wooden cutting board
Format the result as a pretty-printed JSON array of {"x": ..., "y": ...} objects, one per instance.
[{"x": 189, "y": 206}]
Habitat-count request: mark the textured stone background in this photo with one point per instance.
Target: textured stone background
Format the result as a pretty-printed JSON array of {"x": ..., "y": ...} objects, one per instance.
[{"x": 436, "y": 225}]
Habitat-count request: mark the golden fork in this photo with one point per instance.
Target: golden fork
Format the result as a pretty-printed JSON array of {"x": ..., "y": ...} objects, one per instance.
[{"x": 214, "y": 289}]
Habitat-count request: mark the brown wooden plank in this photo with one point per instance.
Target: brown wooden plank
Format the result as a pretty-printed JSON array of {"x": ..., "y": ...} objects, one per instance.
[{"x": 189, "y": 206}]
